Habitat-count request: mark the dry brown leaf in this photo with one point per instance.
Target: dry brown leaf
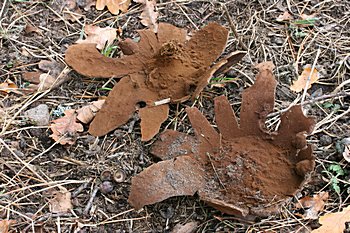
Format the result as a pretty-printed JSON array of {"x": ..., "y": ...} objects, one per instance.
[
  {"x": 334, "y": 222},
  {"x": 5, "y": 225},
  {"x": 149, "y": 16},
  {"x": 64, "y": 129},
  {"x": 113, "y": 5},
  {"x": 61, "y": 203},
  {"x": 30, "y": 28},
  {"x": 300, "y": 84},
  {"x": 313, "y": 205},
  {"x": 88, "y": 112},
  {"x": 268, "y": 65},
  {"x": 8, "y": 86},
  {"x": 54, "y": 76},
  {"x": 100, "y": 36},
  {"x": 286, "y": 16}
]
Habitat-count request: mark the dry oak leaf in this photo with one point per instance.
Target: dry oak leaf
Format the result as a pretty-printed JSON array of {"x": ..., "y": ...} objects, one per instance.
[
  {"x": 8, "y": 86},
  {"x": 240, "y": 171},
  {"x": 61, "y": 202},
  {"x": 5, "y": 225},
  {"x": 312, "y": 205},
  {"x": 334, "y": 222},
  {"x": 149, "y": 16},
  {"x": 300, "y": 84},
  {"x": 113, "y": 5},
  {"x": 64, "y": 129},
  {"x": 102, "y": 37},
  {"x": 162, "y": 65}
]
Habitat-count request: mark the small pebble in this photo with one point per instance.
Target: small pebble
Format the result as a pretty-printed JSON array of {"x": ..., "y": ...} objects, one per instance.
[
  {"x": 106, "y": 187},
  {"x": 325, "y": 140},
  {"x": 167, "y": 212},
  {"x": 39, "y": 115}
]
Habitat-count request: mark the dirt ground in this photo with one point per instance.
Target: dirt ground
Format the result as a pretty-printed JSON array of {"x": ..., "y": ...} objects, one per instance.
[{"x": 29, "y": 156}]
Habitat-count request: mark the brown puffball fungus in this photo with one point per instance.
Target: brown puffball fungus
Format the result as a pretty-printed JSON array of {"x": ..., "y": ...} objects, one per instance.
[
  {"x": 161, "y": 66},
  {"x": 243, "y": 169}
]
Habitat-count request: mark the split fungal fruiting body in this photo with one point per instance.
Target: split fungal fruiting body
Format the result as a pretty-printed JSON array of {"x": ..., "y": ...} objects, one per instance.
[
  {"x": 162, "y": 65},
  {"x": 243, "y": 169}
]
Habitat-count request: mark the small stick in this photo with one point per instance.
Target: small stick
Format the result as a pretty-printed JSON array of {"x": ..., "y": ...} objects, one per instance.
[
  {"x": 217, "y": 175},
  {"x": 233, "y": 27},
  {"x": 317, "y": 99},
  {"x": 81, "y": 188},
  {"x": 310, "y": 75},
  {"x": 91, "y": 200}
]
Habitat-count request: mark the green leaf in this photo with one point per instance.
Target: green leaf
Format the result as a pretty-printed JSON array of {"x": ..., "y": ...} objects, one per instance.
[
  {"x": 335, "y": 185},
  {"x": 337, "y": 169},
  {"x": 327, "y": 105}
]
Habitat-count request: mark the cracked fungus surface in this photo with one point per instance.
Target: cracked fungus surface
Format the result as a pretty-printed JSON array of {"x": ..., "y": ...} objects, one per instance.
[
  {"x": 162, "y": 65},
  {"x": 242, "y": 170}
]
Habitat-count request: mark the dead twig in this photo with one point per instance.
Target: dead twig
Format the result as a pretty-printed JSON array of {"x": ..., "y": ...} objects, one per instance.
[
  {"x": 233, "y": 27},
  {"x": 91, "y": 200}
]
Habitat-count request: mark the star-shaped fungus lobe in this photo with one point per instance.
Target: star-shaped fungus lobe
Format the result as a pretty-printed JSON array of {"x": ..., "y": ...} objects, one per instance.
[
  {"x": 243, "y": 169},
  {"x": 162, "y": 65}
]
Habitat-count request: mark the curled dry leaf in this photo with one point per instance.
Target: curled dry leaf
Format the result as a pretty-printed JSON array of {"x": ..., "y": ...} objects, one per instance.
[
  {"x": 244, "y": 170},
  {"x": 114, "y": 6},
  {"x": 162, "y": 65},
  {"x": 149, "y": 15},
  {"x": 54, "y": 76},
  {"x": 88, "y": 112},
  {"x": 286, "y": 16},
  {"x": 334, "y": 222},
  {"x": 100, "y": 36},
  {"x": 64, "y": 129},
  {"x": 8, "y": 86},
  {"x": 312, "y": 205},
  {"x": 300, "y": 84},
  {"x": 5, "y": 225},
  {"x": 61, "y": 202}
]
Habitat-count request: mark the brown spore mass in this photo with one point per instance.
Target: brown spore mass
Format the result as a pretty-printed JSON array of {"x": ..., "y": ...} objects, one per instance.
[{"x": 250, "y": 172}]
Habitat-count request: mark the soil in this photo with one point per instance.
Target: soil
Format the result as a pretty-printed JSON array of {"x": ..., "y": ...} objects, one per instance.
[{"x": 78, "y": 167}]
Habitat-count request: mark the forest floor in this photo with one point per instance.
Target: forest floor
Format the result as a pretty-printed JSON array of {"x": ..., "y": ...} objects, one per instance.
[{"x": 34, "y": 167}]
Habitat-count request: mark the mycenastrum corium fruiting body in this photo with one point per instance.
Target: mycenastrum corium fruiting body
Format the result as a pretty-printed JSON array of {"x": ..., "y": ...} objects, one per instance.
[
  {"x": 241, "y": 169},
  {"x": 162, "y": 67}
]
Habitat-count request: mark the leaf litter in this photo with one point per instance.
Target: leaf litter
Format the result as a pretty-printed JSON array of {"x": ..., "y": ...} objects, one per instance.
[
  {"x": 313, "y": 205},
  {"x": 308, "y": 73},
  {"x": 64, "y": 129},
  {"x": 102, "y": 37},
  {"x": 162, "y": 65},
  {"x": 245, "y": 170},
  {"x": 149, "y": 14},
  {"x": 334, "y": 222},
  {"x": 114, "y": 6}
]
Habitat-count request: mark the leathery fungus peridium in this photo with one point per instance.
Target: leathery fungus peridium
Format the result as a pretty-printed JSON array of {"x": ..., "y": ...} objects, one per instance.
[
  {"x": 162, "y": 67},
  {"x": 243, "y": 169}
]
